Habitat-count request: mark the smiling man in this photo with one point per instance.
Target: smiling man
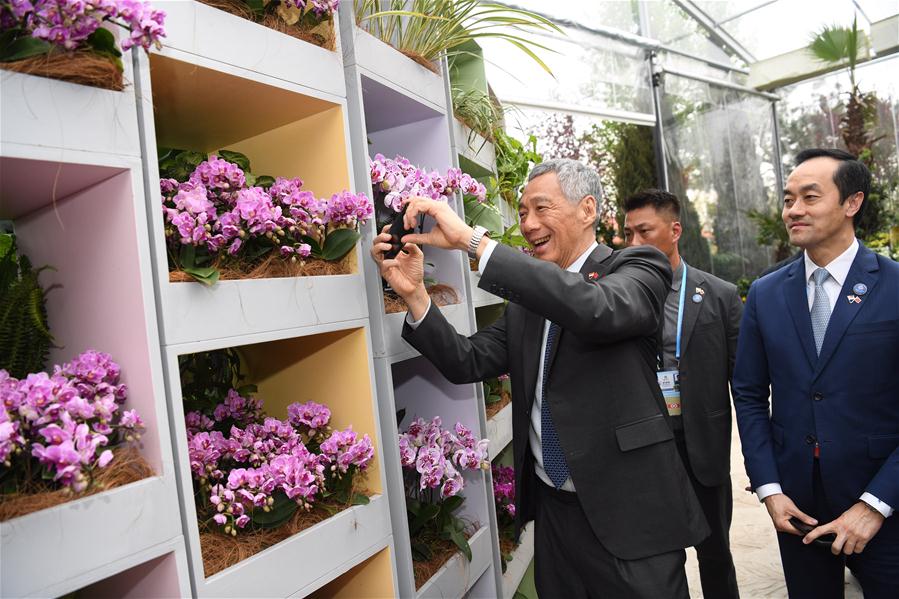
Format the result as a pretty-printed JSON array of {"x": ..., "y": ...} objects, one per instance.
[
  {"x": 823, "y": 334},
  {"x": 595, "y": 459}
]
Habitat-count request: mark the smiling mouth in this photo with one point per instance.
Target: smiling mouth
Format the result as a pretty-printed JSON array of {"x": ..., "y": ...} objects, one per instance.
[
  {"x": 541, "y": 241},
  {"x": 795, "y": 225}
]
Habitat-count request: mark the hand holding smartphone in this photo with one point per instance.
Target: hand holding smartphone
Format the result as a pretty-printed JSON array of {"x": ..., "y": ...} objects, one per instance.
[
  {"x": 397, "y": 231},
  {"x": 825, "y": 541}
]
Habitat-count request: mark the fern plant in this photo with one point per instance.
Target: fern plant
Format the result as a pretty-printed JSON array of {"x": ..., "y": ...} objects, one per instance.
[{"x": 25, "y": 338}]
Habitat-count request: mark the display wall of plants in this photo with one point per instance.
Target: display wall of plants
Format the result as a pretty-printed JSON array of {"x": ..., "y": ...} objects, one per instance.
[
  {"x": 309, "y": 20},
  {"x": 433, "y": 459},
  {"x": 224, "y": 222},
  {"x": 62, "y": 435},
  {"x": 504, "y": 498},
  {"x": 394, "y": 182},
  {"x": 257, "y": 479},
  {"x": 73, "y": 40},
  {"x": 426, "y": 30}
]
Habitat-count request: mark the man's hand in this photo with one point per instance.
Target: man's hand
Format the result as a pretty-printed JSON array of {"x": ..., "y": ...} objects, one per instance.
[
  {"x": 781, "y": 508},
  {"x": 449, "y": 231},
  {"x": 405, "y": 273},
  {"x": 854, "y": 529}
]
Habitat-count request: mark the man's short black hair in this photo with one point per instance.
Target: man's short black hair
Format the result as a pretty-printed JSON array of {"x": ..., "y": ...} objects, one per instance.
[
  {"x": 851, "y": 176},
  {"x": 661, "y": 200}
]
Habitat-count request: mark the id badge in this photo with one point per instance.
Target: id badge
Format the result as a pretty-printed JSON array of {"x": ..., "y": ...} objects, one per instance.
[{"x": 669, "y": 382}]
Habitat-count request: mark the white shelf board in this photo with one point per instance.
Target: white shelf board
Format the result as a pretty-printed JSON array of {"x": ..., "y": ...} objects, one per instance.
[
  {"x": 479, "y": 297},
  {"x": 87, "y": 540},
  {"x": 474, "y": 147},
  {"x": 193, "y": 312},
  {"x": 203, "y": 31},
  {"x": 397, "y": 349},
  {"x": 499, "y": 431},
  {"x": 332, "y": 546},
  {"x": 458, "y": 575},
  {"x": 390, "y": 67},
  {"x": 521, "y": 559},
  {"x": 52, "y": 120}
]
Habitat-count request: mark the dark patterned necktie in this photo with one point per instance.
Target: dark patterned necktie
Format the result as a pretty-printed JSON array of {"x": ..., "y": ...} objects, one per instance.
[{"x": 553, "y": 459}]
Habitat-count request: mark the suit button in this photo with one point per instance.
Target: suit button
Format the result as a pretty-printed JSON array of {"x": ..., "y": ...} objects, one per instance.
[
  {"x": 810, "y": 439},
  {"x": 818, "y": 396}
]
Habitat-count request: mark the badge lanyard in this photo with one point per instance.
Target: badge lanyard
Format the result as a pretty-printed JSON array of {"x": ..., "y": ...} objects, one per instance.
[{"x": 680, "y": 313}]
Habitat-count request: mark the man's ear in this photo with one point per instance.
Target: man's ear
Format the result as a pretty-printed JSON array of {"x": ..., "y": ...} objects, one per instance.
[
  {"x": 589, "y": 207},
  {"x": 677, "y": 229},
  {"x": 854, "y": 203}
]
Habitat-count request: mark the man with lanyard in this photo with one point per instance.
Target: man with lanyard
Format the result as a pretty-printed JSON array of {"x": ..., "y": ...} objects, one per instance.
[{"x": 698, "y": 349}]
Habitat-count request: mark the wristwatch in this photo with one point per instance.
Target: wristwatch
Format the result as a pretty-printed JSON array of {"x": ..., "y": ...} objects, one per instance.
[{"x": 475, "y": 241}]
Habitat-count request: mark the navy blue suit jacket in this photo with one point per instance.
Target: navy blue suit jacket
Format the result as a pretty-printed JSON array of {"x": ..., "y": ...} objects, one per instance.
[{"x": 846, "y": 399}]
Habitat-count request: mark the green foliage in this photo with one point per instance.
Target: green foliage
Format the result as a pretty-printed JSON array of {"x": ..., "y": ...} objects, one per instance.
[
  {"x": 493, "y": 389},
  {"x": 206, "y": 377},
  {"x": 486, "y": 215},
  {"x": 477, "y": 110},
  {"x": 178, "y": 164},
  {"x": 429, "y": 29},
  {"x": 514, "y": 160},
  {"x": 25, "y": 338},
  {"x": 17, "y": 44},
  {"x": 835, "y": 44},
  {"x": 439, "y": 520},
  {"x": 103, "y": 42},
  {"x": 771, "y": 233}
]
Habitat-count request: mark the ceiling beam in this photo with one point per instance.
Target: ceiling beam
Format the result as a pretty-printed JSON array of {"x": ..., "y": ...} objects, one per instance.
[{"x": 716, "y": 33}]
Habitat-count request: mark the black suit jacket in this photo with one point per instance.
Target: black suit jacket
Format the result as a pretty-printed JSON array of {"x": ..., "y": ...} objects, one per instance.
[
  {"x": 708, "y": 352},
  {"x": 606, "y": 403}
]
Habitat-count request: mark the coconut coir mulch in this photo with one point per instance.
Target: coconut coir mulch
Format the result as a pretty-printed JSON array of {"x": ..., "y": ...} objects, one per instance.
[
  {"x": 494, "y": 408},
  {"x": 126, "y": 467},
  {"x": 82, "y": 67},
  {"x": 273, "y": 267},
  {"x": 442, "y": 295},
  {"x": 441, "y": 552},
  {"x": 221, "y": 551},
  {"x": 321, "y": 35}
]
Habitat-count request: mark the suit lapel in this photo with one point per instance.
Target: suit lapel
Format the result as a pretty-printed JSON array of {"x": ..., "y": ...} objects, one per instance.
[
  {"x": 531, "y": 336},
  {"x": 863, "y": 270},
  {"x": 594, "y": 264},
  {"x": 695, "y": 281},
  {"x": 796, "y": 297}
]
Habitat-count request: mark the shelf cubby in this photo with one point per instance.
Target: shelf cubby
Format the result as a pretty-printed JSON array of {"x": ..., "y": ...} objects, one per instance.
[
  {"x": 93, "y": 234},
  {"x": 329, "y": 365},
  {"x": 285, "y": 131},
  {"x": 374, "y": 578}
]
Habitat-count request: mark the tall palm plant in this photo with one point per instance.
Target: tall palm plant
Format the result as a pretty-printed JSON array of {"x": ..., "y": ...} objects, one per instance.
[
  {"x": 837, "y": 45},
  {"x": 427, "y": 29}
]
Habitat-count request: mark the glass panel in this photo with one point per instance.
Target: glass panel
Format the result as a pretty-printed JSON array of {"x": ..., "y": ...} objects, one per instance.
[
  {"x": 720, "y": 156},
  {"x": 621, "y": 14},
  {"x": 590, "y": 71},
  {"x": 723, "y": 9},
  {"x": 787, "y": 25},
  {"x": 877, "y": 10},
  {"x": 673, "y": 27}
]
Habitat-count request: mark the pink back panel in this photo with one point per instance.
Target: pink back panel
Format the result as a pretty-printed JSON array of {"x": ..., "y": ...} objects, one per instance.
[{"x": 91, "y": 240}]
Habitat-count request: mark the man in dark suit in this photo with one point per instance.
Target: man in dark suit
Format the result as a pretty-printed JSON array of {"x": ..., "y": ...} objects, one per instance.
[
  {"x": 596, "y": 464},
  {"x": 699, "y": 346},
  {"x": 823, "y": 333}
]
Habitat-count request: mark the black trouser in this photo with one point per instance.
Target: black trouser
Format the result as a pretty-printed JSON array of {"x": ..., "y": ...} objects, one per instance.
[
  {"x": 813, "y": 572},
  {"x": 716, "y": 563},
  {"x": 571, "y": 563}
]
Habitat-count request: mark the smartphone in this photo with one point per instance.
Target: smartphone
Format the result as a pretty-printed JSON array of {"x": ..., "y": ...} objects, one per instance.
[
  {"x": 397, "y": 231},
  {"x": 825, "y": 541}
]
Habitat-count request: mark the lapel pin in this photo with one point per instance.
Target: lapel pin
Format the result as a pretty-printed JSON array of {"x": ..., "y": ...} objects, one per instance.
[
  {"x": 860, "y": 289},
  {"x": 593, "y": 276},
  {"x": 697, "y": 298},
  {"x": 854, "y": 299},
  {"x": 700, "y": 291}
]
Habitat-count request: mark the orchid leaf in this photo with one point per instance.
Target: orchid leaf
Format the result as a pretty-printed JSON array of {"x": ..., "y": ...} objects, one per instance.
[
  {"x": 206, "y": 275},
  {"x": 360, "y": 499},
  {"x": 264, "y": 181},
  {"x": 18, "y": 45},
  {"x": 461, "y": 542},
  {"x": 237, "y": 158},
  {"x": 282, "y": 510},
  {"x": 338, "y": 243}
]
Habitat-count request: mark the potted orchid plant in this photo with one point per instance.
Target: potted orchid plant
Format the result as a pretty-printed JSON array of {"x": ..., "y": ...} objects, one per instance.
[
  {"x": 72, "y": 40},
  {"x": 433, "y": 459},
  {"x": 258, "y": 478},
  {"x": 223, "y": 221},
  {"x": 309, "y": 20},
  {"x": 63, "y": 434},
  {"x": 504, "y": 498}
]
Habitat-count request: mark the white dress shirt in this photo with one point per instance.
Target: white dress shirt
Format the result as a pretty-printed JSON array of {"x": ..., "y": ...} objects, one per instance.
[{"x": 838, "y": 268}]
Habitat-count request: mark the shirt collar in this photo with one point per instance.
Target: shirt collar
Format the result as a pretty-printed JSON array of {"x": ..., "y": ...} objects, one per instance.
[
  {"x": 578, "y": 264},
  {"x": 838, "y": 267},
  {"x": 677, "y": 276}
]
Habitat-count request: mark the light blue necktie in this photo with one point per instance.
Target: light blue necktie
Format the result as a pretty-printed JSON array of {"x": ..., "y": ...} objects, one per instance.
[
  {"x": 553, "y": 459},
  {"x": 820, "y": 308}
]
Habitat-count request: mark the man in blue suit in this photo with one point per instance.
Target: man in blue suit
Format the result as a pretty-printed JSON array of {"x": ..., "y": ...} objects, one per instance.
[{"x": 823, "y": 333}]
